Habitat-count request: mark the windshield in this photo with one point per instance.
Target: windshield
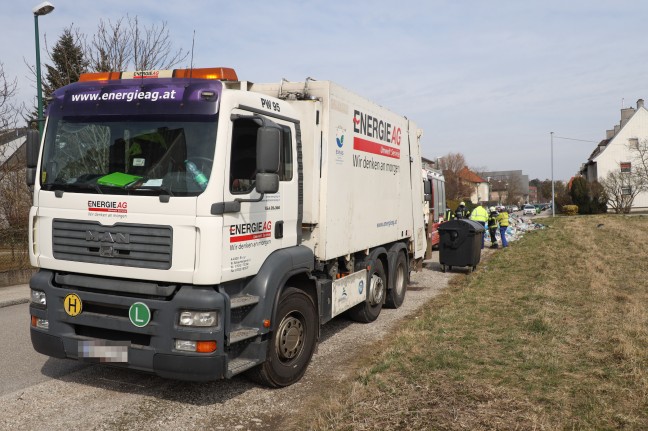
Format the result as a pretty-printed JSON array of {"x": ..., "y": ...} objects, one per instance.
[{"x": 126, "y": 156}]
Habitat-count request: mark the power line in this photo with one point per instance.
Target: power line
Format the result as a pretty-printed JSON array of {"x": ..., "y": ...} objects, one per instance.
[{"x": 574, "y": 139}]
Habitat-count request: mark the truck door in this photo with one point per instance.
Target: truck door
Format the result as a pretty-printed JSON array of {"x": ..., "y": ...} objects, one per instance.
[{"x": 259, "y": 228}]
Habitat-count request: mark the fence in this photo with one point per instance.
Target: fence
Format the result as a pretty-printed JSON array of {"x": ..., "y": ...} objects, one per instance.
[{"x": 14, "y": 256}]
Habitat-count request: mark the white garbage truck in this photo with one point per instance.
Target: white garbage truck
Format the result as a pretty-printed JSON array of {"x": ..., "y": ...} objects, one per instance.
[{"x": 196, "y": 226}]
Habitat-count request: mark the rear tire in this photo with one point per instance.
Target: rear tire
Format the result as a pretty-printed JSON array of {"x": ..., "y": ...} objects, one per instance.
[
  {"x": 396, "y": 295},
  {"x": 292, "y": 343},
  {"x": 369, "y": 310}
]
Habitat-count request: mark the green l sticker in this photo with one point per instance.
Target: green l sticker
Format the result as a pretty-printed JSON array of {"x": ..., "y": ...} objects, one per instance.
[{"x": 140, "y": 314}]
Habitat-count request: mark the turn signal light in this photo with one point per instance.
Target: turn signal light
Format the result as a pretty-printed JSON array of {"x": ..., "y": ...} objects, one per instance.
[
  {"x": 196, "y": 346},
  {"x": 39, "y": 323},
  {"x": 205, "y": 346}
]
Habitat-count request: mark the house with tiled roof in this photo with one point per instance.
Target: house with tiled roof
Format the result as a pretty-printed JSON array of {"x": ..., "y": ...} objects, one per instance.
[
  {"x": 478, "y": 185},
  {"x": 615, "y": 152}
]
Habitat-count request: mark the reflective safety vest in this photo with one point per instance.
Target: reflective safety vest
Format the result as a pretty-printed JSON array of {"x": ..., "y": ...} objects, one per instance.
[
  {"x": 462, "y": 212},
  {"x": 492, "y": 220},
  {"x": 449, "y": 215},
  {"x": 503, "y": 219},
  {"x": 479, "y": 214}
]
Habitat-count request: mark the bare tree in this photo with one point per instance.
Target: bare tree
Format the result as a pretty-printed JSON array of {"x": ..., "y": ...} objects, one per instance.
[
  {"x": 126, "y": 42},
  {"x": 514, "y": 189},
  {"x": 621, "y": 189},
  {"x": 639, "y": 151},
  {"x": 14, "y": 195},
  {"x": 451, "y": 164},
  {"x": 9, "y": 111}
]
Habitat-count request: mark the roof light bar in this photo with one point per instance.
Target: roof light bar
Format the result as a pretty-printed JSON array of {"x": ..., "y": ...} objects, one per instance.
[{"x": 219, "y": 73}]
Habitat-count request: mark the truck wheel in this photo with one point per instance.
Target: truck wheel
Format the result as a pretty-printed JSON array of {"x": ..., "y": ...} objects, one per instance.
[
  {"x": 396, "y": 295},
  {"x": 293, "y": 341},
  {"x": 369, "y": 310}
]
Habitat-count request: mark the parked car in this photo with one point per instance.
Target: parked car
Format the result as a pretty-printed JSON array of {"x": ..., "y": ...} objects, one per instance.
[
  {"x": 528, "y": 209},
  {"x": 515, "y": 208}
]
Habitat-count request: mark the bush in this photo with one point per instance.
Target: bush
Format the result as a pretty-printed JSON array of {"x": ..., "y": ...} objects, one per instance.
[{"x": 570, "y": 210}]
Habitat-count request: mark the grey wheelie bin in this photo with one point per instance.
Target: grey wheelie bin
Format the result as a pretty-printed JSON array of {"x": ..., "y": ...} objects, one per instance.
[{"x": 460, "y": 244}]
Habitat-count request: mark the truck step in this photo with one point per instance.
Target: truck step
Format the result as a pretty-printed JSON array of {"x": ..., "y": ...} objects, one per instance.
[
  {"x": 243, "y": 301},
  {"x": 236, "y": 366},
  {"x": 242, "y": 334}
]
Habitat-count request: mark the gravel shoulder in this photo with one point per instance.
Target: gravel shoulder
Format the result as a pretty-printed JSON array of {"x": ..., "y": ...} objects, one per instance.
[{"x": 105, "y": 398}]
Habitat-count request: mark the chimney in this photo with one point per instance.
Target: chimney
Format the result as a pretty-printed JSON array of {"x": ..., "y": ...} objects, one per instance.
[
  {"x": 609, "y": 134},
  {"x": 626, "y": 114},
  {"x": 640, "y": 104}
]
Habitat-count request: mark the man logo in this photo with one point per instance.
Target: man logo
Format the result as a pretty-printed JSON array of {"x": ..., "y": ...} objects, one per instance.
[{"x": 111, "y": 237}]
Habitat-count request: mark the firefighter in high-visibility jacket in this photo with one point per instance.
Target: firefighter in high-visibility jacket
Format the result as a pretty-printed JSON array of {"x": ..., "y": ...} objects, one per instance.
[
  {"x": 503, "y": 220},
  {"x": 449, "y": 215},
  {"x": 492, "y": 226},
  {"x": 480, "y": 215},
  {"x": 462, "y": 211}
]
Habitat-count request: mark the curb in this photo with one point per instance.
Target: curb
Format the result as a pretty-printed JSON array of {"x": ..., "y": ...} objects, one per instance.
[{"x": 11, "y": 302}]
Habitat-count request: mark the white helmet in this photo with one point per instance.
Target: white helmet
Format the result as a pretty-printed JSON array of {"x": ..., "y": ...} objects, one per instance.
[
  {"x": 462, "y": 204},
  {"x": 491, "y": 209}
]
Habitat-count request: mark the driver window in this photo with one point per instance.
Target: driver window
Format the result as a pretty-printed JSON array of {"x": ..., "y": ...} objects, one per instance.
[{"x": 243, "y": 161}]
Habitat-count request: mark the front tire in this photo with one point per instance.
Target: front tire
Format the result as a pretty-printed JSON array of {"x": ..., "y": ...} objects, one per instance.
[
  {"x": 292, "y": 343},
  {"x": 369, "y": 310}
]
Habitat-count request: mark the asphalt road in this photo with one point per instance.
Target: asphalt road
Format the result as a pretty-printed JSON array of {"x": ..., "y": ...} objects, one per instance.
[{"x": 20, "y": 365}]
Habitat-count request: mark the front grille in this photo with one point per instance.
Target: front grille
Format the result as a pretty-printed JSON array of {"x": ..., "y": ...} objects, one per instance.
[{"x": 134, "y": 245}]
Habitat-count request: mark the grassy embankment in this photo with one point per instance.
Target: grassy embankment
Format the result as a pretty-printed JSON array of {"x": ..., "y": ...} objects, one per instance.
[{"x": 551, "y": 333}]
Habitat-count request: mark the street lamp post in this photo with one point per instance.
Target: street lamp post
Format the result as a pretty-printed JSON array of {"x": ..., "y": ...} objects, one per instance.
[
  {"x": 42, "y": 9},
  {"x": 553, "y": 193}
]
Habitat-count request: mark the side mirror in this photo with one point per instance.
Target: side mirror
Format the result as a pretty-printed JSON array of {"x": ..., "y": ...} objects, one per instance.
[
  {"x": 268, "y": 149},
  {"x": 427, "y": 190},
  {"x": 30, "y": 176},
  {"x": 267, "y": 182},
  {"x": 33, "y": 148}
]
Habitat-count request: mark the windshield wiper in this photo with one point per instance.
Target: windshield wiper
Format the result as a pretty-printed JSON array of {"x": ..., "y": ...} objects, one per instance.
[
  {"x": 67, "y": 187},
  {"x": 161, "y": 188}
]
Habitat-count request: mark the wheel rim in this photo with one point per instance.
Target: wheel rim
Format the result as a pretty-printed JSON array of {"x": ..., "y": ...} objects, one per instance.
[
  {"x": 376, "y": 290},
  {"x": 290, "y": 337},
  {"x": 400, "y": 280}
]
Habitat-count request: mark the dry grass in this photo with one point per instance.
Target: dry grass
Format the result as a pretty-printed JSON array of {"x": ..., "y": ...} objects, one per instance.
[{"x": 551, "y": 333}]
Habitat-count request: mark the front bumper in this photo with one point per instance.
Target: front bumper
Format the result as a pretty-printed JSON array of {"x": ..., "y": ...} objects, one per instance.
[{"x": 151, "y": 348}]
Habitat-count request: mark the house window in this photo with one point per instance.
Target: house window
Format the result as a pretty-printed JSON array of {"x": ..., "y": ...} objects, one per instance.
[
  {"x": 633, "y": 143},
  {"x": 626, "y": 166},
  {"x": 626, "y": 191}
]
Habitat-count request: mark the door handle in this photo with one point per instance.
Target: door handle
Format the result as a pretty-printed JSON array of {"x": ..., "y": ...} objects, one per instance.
[{"x": 278, "y": 231}]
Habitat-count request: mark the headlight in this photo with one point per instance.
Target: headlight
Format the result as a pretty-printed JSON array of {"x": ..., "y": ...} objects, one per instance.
[
  {"x": 38, "y": 297},
  {"x": 198, "y": 318}
]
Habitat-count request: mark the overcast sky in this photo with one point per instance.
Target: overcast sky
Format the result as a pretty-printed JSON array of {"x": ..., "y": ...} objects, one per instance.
[{"x": 488, "y": 79}]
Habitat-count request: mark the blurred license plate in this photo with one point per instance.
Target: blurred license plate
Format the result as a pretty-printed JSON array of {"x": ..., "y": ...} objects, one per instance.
[{"x": 104, "y": 351}]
